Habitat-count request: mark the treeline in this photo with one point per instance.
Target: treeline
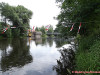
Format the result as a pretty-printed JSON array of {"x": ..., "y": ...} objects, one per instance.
[
  {"x": 76, "y": 11},
  {"x": 44, "y": 31},
  {"x": 88, "y": 13},
  {"x": 15, "y": 16}
]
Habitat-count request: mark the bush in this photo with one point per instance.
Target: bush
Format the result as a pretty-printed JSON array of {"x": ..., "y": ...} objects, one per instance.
[
  {"x": 89, "y": 60},
  {"x": 15, "y": 32},
  {"x": 8, "y": 33}
]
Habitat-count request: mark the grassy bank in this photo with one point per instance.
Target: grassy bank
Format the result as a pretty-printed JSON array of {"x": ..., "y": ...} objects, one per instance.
[{"x": 88, "y": 54}]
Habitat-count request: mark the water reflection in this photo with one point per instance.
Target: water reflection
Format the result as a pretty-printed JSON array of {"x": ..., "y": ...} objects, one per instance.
[
  {"x": 44, "y": 41},
  {"x": 41, "y": 41},
  {"x": 49, "y": 41},
  {"x": 65, "y": 65},
  {"x": 38, "y": 41},
  {"x": 4, "y": 43},
  {"x": 32, "y": 57},
  {"x": 60, "y": 42},
  {"x": 17, "y": 57}
]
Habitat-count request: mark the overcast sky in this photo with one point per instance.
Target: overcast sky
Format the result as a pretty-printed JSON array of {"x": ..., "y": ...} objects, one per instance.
[{"x": 43, "y": 11}]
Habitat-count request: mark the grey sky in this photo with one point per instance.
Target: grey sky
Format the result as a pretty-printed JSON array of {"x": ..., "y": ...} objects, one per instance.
[{"x": 43, "y": 11}]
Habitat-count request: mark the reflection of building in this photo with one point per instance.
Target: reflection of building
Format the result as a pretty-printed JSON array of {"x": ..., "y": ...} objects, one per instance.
[{"x": 38, "y": 41}]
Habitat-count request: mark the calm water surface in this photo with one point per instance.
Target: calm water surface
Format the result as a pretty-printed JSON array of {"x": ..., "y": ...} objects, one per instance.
[{"x": 29, "y": 57}]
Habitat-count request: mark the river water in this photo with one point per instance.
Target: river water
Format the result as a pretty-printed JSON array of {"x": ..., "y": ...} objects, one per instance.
[{"x": 33, "y": 57}]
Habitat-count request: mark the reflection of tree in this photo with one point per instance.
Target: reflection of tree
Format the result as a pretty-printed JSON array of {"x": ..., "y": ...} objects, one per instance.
[
  {"x": 18, "y": 57},
  {"x": 44, "y": 41},
  {"x": 50, "y": 41},
  {"x": 65, "y": 65},
  {"x": 41, "y": 41},
  {"x": 60, "y": 42},
  {"x": 4, "y": 43}
]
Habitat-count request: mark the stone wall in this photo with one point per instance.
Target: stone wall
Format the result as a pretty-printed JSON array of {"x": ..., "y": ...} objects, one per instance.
[{"x": 36, "y": 35}]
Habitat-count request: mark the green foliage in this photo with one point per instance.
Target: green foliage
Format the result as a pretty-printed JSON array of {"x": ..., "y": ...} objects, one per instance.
[
  {"x": 50, "y": 30},
  {"x": 44, "y": 35},
  {"x": 43, "y": 30},
  {"x": 61, "y": 29},
  {"x": 19, "y": 16},
  {"x": 87, "y": 12},
  {"x": 78, "y": 37},
  {"x": 86, "y": 42},
  {"x": 8, "y": 33},
  {"x": 73, "y": 11},
  {"x": 2, "y": 25},
  {"x": 89, "y": 60},
  {"x": 16, "y": 32},
  {"x": 37, "y": 29},
  {"x": 88, "y": 54}
]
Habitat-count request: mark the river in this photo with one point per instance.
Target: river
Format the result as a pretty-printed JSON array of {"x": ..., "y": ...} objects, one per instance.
[{"x": 25, "y": 56}]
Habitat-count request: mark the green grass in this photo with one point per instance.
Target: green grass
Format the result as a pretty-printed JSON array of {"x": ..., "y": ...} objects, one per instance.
[
  {"x": 89, "y": 60},
  {"x": 88, "y": 54}
]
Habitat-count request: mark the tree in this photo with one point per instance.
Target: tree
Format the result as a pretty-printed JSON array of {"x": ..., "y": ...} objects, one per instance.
[
  {"x": 76, "y": 11},
  {"x": 43, "y": 30},
  {"x": 50, "y": 30},
  {"x": 19, "y": 16},
  {"x": 37, "y": 29}
]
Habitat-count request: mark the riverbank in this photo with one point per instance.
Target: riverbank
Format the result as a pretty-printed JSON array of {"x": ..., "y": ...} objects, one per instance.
[{"x": 88, "y": 54}]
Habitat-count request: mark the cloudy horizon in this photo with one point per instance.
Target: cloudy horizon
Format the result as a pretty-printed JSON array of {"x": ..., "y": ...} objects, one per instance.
[{"x": 44, "y": 11}]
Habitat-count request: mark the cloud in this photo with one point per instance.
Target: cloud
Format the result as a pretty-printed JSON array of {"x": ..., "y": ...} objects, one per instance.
[{"x": 43, "y": 11}]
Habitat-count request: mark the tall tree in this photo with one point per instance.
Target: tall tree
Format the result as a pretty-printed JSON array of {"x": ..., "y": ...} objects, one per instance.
[
  {"x": 50, "y": 29},
  {"x": 37, "y": 29},
  {"x": 43, "y": 30},
  {"x": 76, "y": 11},
  {"x": 19, "y": 16}
]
